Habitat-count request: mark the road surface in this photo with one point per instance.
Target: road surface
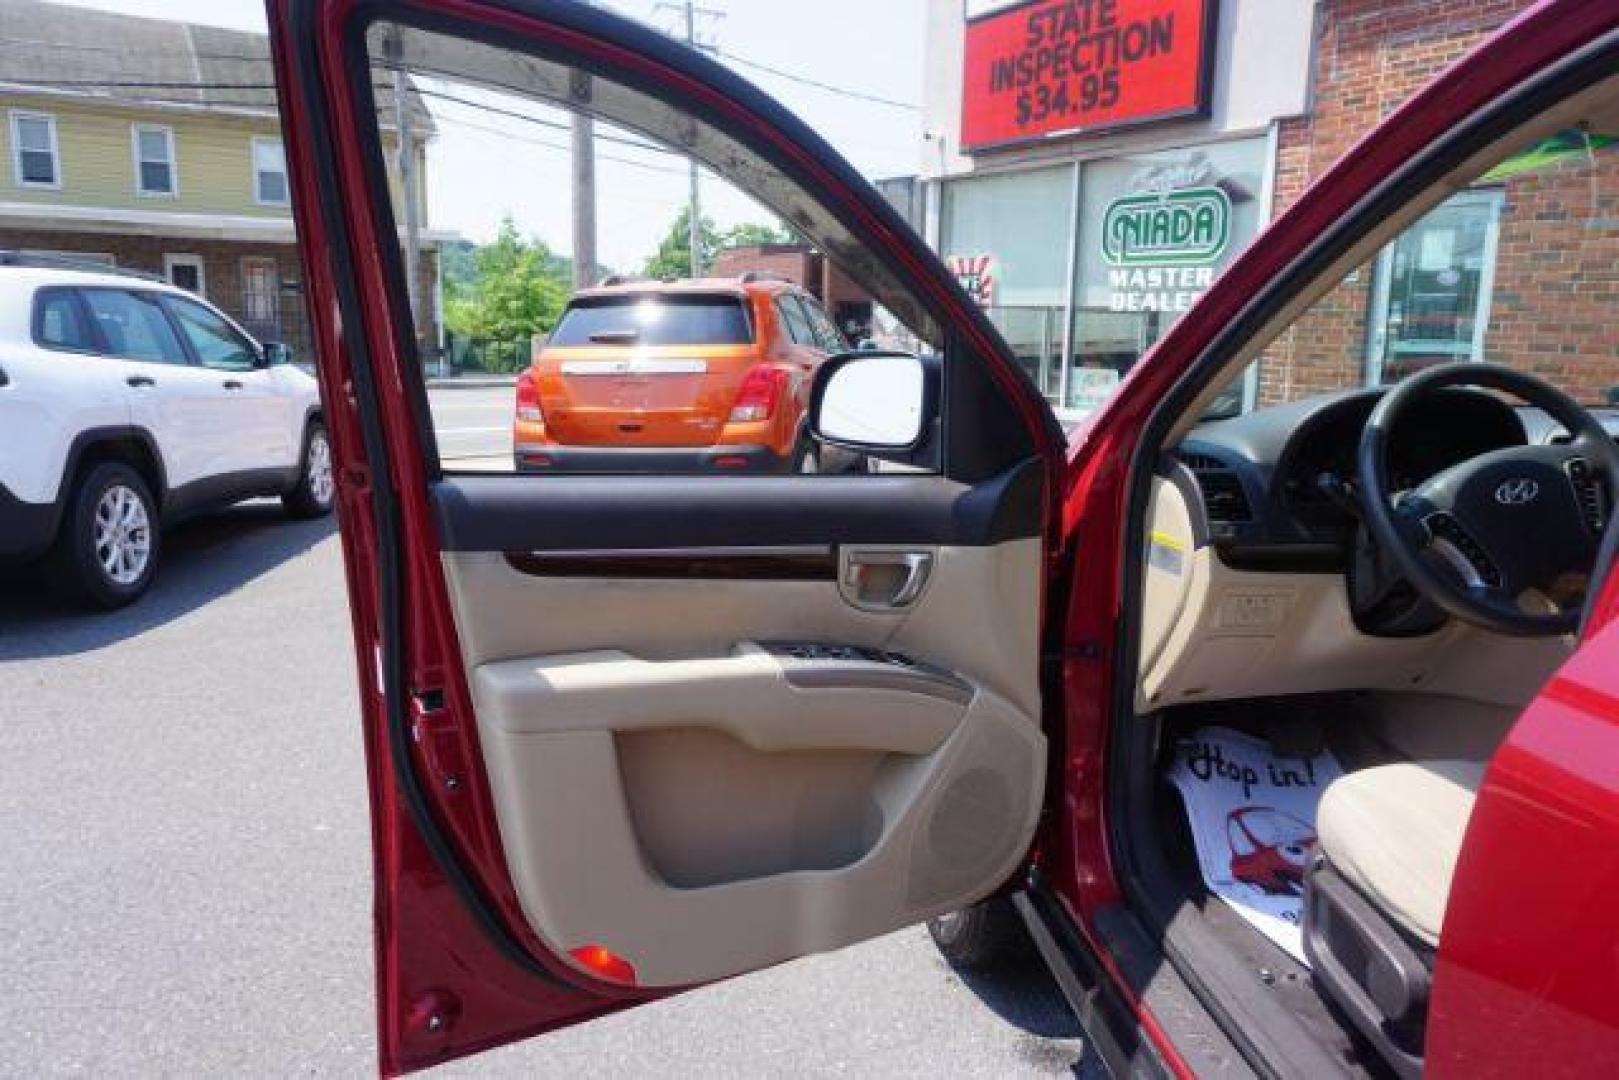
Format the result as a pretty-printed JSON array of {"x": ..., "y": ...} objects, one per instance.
[{"x": 187, "y": 870}]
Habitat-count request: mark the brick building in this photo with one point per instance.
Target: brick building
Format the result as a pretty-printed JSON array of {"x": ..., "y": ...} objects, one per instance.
[
  {"x": 1542, "y": 295},
  {"x": 1085, "y": 215},
  {"x": 848, "y": 304}
]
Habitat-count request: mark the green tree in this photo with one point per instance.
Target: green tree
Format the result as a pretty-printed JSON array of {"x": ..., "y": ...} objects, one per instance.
[
  {"x": 516, "y": 288},
  {"x": 752, "y": 234},
  {"x": 673, "y": 257}
]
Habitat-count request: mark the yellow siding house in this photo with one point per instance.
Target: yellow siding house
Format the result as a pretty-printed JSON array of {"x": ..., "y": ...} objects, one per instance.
[{"x": 155, "y": 145}]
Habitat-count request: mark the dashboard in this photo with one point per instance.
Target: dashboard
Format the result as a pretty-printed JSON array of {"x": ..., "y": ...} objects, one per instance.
[{"x": 1278, "y": 485}]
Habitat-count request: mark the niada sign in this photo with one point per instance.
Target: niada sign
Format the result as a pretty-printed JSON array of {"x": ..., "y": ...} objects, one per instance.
[{"x": 1188, "y": 227}]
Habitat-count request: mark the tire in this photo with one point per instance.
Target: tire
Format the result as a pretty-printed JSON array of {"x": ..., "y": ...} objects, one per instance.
[
  {"x": 312, "y": 496},
  {"x": 110, "y": 543},
  {"x": 984, "y": 937}
]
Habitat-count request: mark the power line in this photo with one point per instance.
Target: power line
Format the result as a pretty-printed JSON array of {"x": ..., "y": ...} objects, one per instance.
[
  {"x": 736, "y": 58},
  {"x": 533, "y": 141},
  {"x": 828, "y": 87},
  {"x": 540, "y": 121}
]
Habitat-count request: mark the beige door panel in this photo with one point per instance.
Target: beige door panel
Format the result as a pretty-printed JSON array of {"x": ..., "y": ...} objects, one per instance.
[
  {"x": 978, "y": 615},
  {"x": 748, "y": 695},
  {"x": 672, "y": 786},
  {"x": 928, "y": 833}
]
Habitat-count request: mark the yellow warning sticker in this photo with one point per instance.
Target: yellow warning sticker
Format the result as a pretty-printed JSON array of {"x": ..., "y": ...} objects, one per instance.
[{"x": 1166, "y": 553}]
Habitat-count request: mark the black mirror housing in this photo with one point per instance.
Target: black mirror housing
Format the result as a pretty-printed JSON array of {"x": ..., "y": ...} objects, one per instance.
[
  {"x": 923, "y": 451},
  {"x": 276, "y": 353}
]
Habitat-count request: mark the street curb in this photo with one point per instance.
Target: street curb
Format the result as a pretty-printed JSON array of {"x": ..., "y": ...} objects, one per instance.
[{"x": 471, "y": 382}]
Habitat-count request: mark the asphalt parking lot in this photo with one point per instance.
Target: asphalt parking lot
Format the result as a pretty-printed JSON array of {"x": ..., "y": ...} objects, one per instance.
[
  {"x": 183, "y": 827},
  {"x": 473, "y": 425}
]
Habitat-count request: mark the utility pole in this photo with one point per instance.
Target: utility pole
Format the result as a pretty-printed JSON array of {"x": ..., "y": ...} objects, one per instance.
[
  {"x": 694, "y": 217},
  {"x": 584, "y": 183},
  {"x": 407, "y": 184},
  {"x": 694, "y": 223}
]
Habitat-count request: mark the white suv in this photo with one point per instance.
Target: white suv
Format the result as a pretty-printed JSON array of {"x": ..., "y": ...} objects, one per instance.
[{"x": 126, "y": 404}]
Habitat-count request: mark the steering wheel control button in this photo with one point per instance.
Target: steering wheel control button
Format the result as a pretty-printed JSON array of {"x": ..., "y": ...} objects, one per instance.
[
  {"x": 1588, "y": 492},
  {"x": 1447, "y": 531}
]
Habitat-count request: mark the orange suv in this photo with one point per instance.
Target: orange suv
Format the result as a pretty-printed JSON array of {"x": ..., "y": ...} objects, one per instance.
[{"x": 707, "y": 375}]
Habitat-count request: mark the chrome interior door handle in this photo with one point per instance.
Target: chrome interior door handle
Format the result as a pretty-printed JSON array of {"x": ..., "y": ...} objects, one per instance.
[{"x": 884, "y": 578}]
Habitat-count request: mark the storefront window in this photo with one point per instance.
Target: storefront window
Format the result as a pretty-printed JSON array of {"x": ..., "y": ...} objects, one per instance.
[
  {"x": 1005, "y": 238},
  {"x": 1431, "y": 293},
  {"x": 1154, "y": 231}
]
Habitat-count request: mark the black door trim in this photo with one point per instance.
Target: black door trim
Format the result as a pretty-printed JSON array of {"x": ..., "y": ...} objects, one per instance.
[{"x": 662, "y": 513}]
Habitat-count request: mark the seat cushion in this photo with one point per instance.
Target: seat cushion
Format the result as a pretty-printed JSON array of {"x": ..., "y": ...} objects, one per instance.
[{"x": 1394, "y": 832}]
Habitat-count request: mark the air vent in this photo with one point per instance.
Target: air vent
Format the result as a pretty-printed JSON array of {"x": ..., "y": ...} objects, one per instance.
[
  {"x": 1200, "y": 463},
  {"x": 1223, "y": 495}
]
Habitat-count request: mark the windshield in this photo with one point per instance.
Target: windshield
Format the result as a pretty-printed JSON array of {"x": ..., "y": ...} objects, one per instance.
[{"x": 654, "y": 320}]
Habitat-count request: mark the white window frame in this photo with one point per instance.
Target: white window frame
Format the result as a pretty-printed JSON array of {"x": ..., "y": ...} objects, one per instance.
[
  {"x": 173, "y": 162},
  {"x": 1493, "y": 200},
  {"x": 171, "y": 259},
  {"x": 253, "y": 167},
  {"x": 16, "y": 150}
]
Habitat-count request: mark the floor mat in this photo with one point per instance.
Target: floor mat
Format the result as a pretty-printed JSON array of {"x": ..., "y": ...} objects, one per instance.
[{"x": 1253, "y": 823}]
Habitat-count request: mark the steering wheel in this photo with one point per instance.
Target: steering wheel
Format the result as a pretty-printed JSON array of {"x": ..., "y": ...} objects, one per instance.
[{"x": 1504, "y": 540}]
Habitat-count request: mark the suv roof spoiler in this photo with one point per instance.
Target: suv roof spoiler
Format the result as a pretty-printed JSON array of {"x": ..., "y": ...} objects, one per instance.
[{"x": 11, "y": 257}]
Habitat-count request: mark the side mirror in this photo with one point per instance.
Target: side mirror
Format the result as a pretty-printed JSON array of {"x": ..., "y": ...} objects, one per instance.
[
  {"x": 884, "y": 404},
  {"x": 276, "y": 353}
]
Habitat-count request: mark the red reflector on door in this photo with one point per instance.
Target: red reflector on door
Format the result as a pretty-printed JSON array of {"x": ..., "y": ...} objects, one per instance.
[
  {"x": 605, "y": 964},
  {"x": 730, "y": 461}
]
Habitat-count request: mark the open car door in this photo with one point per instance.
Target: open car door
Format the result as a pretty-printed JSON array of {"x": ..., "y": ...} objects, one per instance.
[{"x": 639, "y": 730}]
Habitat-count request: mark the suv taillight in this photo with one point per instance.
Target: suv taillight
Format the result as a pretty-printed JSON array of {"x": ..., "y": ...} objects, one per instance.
[
  {"x": 528, "y": 399},
  {"x": 760, "y": 392}
]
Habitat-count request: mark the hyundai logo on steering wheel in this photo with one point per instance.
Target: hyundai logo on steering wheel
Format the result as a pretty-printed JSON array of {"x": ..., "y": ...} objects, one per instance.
[{"x": 1519, "y": 491}]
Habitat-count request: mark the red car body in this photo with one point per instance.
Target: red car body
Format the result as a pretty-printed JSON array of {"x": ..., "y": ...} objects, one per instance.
[{"x": 1526, "y": 973}]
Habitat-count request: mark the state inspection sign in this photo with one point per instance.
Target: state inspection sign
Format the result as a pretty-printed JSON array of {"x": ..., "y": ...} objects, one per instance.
[{"x": 1046, "y": 68}]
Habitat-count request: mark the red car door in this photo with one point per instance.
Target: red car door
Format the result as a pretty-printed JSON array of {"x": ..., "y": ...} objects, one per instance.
[
  {"x": 1525, "y": 978},
  {"x": 630, "y": 733}
]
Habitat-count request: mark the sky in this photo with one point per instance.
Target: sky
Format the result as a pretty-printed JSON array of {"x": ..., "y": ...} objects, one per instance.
[{"x": 483, "y": 167}]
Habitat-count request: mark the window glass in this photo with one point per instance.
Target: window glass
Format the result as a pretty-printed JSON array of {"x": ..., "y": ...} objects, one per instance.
[
  {"x": 154, "y": 161},
  {"x": 654, "y": 319},
  {"x": 1517, "y": 270},
  {"x": 647, "y": 359},
  {"x": 133, "y": 325},
  {"x": 59, "y": 321},
  {"x": 1429, "y": 301},
  {"x": 997, "y": 237},
  {"x": 1155, "y": 231},
  {"x": 269, "y": 171},
  {"x": 797, "y": 323},
  {"x": 215, "y": 341},
  {"x": 826, "y": 335},
  {"x": 36, "y": 149}
]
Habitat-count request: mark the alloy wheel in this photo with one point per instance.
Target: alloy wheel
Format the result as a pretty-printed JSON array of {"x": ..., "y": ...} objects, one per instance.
[
  {"x": 318, "y": 470},
  {"x": 123, "y": 534}
]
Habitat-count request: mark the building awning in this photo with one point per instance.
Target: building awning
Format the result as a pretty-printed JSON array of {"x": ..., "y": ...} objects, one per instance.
[{"x": 246, "y": 228}]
